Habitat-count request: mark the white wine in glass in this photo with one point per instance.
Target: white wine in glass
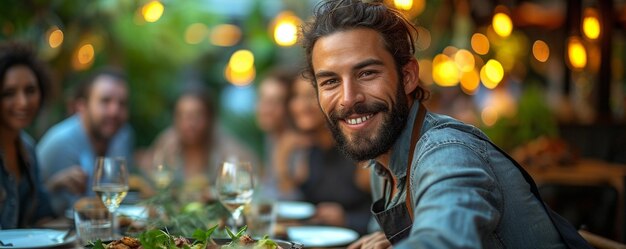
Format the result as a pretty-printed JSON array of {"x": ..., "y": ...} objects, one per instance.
[
  {"x": 111, "y": 181},
  {"x": 235, "y": 187}
]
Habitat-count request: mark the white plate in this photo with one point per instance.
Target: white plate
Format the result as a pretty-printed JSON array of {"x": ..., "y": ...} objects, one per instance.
[
  {"x": 33, "y": 238},
  {"x": 322, "y": 236},
  {"x": 133, "y": 211},
  {"x": 295, "y": 210}
]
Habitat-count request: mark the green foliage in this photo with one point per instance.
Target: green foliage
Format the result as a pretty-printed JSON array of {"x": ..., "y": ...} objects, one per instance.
[{"x": 533, "y": 119}]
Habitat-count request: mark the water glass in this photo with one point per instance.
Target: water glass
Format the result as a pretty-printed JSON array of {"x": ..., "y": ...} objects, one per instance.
[
  {"x": 93, "y": 221},
  {"x": 261, "y": 219}
]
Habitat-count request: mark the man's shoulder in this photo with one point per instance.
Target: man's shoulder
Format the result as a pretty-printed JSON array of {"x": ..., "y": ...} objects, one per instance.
[
  {"x": 442, "y": 129},
  {"x": 65, "y": 132}
]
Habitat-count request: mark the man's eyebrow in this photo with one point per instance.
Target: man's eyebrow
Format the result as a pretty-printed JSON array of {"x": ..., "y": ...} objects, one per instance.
[
  {"x": 366, "y": 63},
  {"x": 324, "y": 73}
]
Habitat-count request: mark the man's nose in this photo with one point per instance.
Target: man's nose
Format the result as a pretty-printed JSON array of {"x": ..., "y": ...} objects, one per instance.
[{"x": 351, "y": 93}]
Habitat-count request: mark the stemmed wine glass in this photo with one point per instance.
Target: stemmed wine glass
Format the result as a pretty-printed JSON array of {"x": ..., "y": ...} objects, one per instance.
[
  {"x": 235, "y": 188},
  {"x": 110, "y": 182}
]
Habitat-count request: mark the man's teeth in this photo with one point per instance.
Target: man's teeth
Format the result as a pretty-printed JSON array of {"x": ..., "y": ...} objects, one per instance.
[{"x": 358, "y": 120}]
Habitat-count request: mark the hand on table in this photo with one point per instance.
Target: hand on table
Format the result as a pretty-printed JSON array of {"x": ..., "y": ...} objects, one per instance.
[
  {"x": 330, "y": 213},
  {"x": 73, "y": 179},
  {"x": 375, "y": 240}
]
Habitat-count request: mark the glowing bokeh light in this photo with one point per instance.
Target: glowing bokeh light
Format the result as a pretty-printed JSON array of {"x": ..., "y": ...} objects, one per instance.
[
  {"x": 491, "y": 74},
  {"x": 403, "y": 4},
  {"x": 239, "y": 78},
  {"x": 445, "y": 72},
  {"x": 502, "y": 24},
  {"x": 152, "y": 11},
  {"x": 286, "y": 29},
  {"x": 225, "y": 35},
  {"x": 470, "y": 82},
  {"x": 423, "y": 39},
  {"x": 85, "y": 54},
  {"x": 576, "y": 53},
  {"x": 464, "y": 60},
  {"x": 241, "y": 61},
  {"x": 55, "y": 37},
  {"x": 480, "y": 43},
  {"x": 591, "y": 25},
  {"x": 489, "y": 115},
  {"x": 195, "y": 33},
  {"x": 541, "y": 51}
]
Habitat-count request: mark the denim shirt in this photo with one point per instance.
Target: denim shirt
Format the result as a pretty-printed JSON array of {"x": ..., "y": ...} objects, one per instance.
[
  {"x": 466, "y": 194},
  {"x": 23, "y": 210}
]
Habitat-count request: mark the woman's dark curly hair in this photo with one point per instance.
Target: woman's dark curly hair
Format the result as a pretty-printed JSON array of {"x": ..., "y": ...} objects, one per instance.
[
  {"x": 18, "y": 54},
  {"x": 333, "y": 16}
]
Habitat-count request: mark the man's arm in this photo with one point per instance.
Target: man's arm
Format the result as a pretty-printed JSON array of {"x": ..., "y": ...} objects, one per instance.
[{"x": 456, "y": 199}]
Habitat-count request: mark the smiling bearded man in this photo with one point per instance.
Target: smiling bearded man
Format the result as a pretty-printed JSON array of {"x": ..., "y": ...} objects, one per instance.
[{"x": 439, "y": 183}]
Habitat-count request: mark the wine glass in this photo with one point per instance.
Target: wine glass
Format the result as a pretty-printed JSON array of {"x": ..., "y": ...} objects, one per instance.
[
  {"x": 110, "y": 181},
  {"x": 235, "y": 187}
]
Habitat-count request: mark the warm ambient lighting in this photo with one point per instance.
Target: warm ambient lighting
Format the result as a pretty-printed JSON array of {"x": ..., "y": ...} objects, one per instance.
[
  {"x": 576, "y": 53},
  {"x": 85, "y": 54},
  {"x": 195, "y": 33},
  {"x": 55, "y": 37},
  {"x": 240, "y": 70},
  {"x": 502, "y": 24},
  {"x": 491, "y": 74},
  {"x": 403, "y": 4},
  {"x": 591, "y": 24},
  {"x": 152, "y": 11},
  {"x": 489, "y": 115},
  {"x": 541, "y": 51},
  {"x": 464, "y": 60},
  {"x": 445, "y": 72},
  {"x": 285, "y": 29},
  {"x": 225, "y": 35},
  {"x": 470, "y": 82},
  {"x": 480, "y": 44}
]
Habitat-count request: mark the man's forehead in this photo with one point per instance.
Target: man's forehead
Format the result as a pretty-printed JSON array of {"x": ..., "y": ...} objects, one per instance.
[
  {"x": 105, "y": 84},
  {"x": 359, "y": 44}
]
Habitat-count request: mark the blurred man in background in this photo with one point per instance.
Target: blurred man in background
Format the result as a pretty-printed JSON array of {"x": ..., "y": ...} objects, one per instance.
[{"x": 67, "y": 151}]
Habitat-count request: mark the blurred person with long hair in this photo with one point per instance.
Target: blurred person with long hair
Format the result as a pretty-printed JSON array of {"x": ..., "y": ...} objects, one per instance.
[
  {"x": 23, "y": 199},
  {"x": 313, "y": 166}
]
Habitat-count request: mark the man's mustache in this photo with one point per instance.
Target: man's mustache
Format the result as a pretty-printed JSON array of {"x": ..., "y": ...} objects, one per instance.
[{"x": 361, "y": 108}]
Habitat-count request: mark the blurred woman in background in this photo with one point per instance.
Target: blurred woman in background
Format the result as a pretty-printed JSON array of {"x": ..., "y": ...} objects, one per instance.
[
  {"x": 188, "y": 153},
  {"x": 23, "y": 200},
  {"x": 313, "y": 166}
]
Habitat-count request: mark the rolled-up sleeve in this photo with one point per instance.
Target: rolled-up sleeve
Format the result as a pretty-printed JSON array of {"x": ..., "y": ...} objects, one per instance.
[{"x": 455, "y": 198}]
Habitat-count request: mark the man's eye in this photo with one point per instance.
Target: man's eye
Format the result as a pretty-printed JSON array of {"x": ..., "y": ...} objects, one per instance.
[
  {"x": 329, "y": 82},
  {"x": 367, "y": 73}
]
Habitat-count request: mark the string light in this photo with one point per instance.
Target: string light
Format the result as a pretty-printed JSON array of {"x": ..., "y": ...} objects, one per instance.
[{"x": 152, "y": 11}]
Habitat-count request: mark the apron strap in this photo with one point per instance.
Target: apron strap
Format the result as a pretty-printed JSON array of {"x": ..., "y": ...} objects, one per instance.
[{"x": 415, "y": 135}]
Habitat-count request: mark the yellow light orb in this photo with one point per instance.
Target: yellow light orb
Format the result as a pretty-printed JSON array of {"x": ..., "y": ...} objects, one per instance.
[
  {"x": 480, "y": 43},
  {"x": 403, "y": 4},
  {"x": 239, "y": 78},
  {"x": 576, "y": 53},
  {"x": 445, "y": 72},
  {"x": 502, "y": 24},
  {"x": 152, "y": 11},
  {"x": 591, "y": 24},
  {"x": 241, "y": 61},
  {"x": 195, "y": 33},
  {"x": 541, "y": 51},
  {"x": 85, "y": 54},
  {"x": 494, "y": 71},
  {"x": 464, "y": 60},
  {"x": 55, "y": 37},
  {"x": 225, "y": 35},
  {"x": 286, "y": 29},
  {"x": 470, "y": 82}
]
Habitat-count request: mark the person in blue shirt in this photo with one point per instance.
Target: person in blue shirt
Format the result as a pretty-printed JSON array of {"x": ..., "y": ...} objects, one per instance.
[
  {"x": 436, "y": 182},
  {"x": 68, "y": 150},
  {"x": 23, "y": 200}
]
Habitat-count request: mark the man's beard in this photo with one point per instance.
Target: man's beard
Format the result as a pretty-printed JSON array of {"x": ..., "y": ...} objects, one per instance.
[{"x": 362, "y": 148}]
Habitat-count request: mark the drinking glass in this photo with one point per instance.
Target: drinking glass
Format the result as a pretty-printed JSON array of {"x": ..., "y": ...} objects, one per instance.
[
  {"x": 235, "y": 187},
  {"x": 110, "y": 182}
]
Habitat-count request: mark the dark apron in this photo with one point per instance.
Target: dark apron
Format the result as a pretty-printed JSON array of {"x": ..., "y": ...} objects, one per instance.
[{"x": 397, "y": 221}]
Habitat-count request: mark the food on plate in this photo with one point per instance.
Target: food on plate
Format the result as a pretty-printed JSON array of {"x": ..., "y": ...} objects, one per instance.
[{"x": 153, "y": 239}]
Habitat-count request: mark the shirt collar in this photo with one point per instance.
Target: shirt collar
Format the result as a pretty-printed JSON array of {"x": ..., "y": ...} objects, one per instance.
[{"x": 400, "y": 149}]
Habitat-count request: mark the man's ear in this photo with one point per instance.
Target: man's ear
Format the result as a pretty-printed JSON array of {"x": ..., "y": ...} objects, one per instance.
[{"x": 410, "y": 72}]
